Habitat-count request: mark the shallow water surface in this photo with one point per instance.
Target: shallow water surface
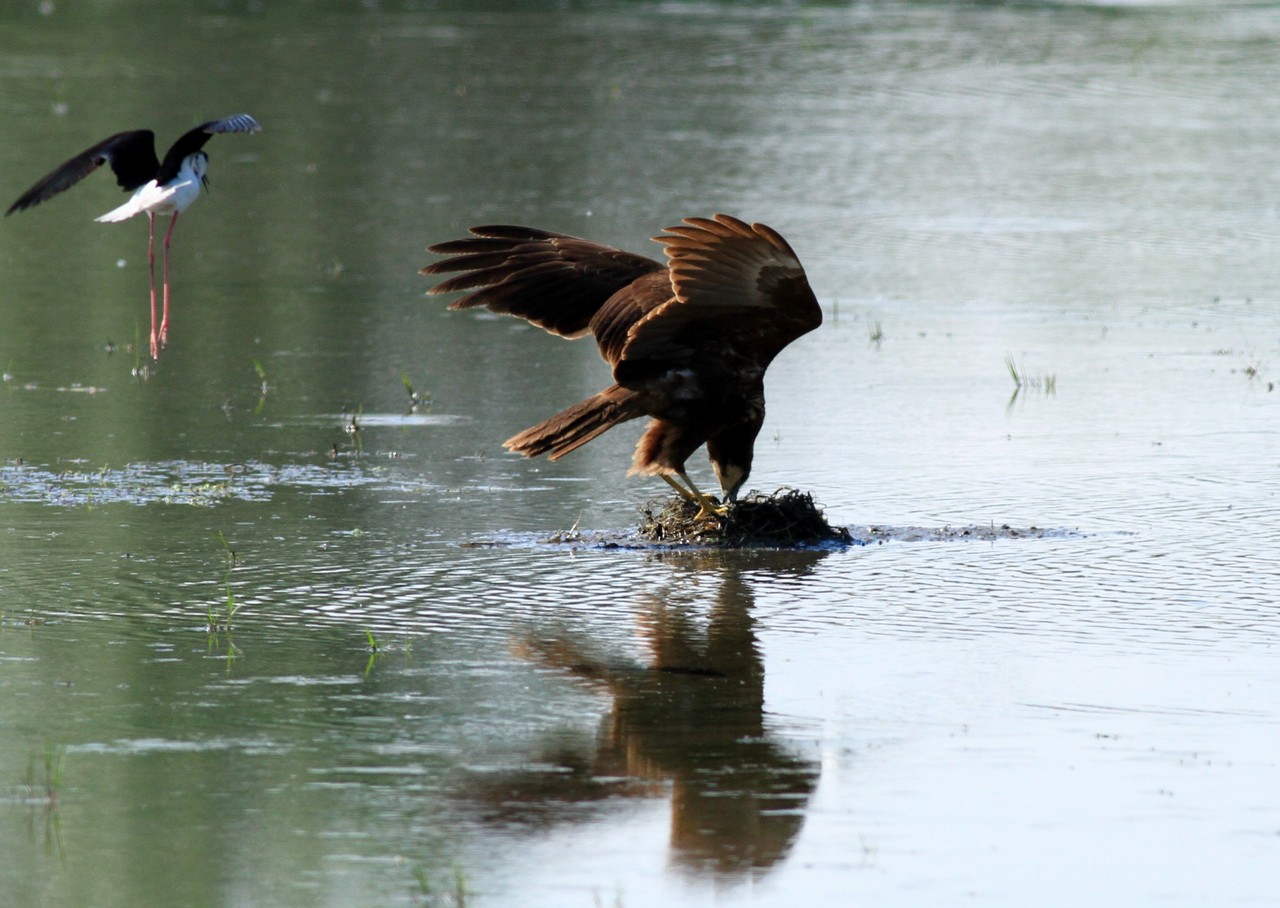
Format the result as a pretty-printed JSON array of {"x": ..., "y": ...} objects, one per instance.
[{"x": 274, "y": 632}]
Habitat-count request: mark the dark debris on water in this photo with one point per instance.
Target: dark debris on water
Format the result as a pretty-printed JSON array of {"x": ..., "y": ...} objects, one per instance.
[{"x": 991, "y": 532}]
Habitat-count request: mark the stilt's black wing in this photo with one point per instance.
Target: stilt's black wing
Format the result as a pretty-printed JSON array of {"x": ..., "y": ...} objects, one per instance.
[
  {"x": 193, "y": 140},
  {"x": 132, "y": 156}
]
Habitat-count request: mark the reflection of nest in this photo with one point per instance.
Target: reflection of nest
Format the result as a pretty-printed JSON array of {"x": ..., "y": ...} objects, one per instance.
[{"x": 788, "y": 517}]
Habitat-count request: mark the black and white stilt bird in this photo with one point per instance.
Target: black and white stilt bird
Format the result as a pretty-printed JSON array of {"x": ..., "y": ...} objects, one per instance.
[{"x": 158, "y": 187}]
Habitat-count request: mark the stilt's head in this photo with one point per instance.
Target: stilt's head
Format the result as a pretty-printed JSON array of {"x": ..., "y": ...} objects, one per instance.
[{"x": 197, "y": 164}]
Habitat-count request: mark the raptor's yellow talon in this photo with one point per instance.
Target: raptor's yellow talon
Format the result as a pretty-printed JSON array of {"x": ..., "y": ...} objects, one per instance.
[{"x": 707, "y": 508}]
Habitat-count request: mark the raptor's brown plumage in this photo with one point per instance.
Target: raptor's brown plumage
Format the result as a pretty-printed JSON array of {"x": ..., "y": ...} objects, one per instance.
[{"x": 688, "y": 343}]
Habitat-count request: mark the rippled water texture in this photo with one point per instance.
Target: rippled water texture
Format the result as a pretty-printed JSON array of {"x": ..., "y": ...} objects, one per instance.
[{"x": 281, "y": 624}]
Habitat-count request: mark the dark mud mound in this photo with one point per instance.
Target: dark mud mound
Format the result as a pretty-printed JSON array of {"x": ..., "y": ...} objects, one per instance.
[{"x": 786, "y": 518}]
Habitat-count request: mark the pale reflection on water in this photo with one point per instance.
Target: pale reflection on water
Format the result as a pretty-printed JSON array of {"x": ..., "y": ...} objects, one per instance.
[{"x": 274, "y": 632}]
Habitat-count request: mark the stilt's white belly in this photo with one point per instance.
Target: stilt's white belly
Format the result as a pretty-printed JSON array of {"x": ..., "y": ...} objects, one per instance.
[{"x": 176, "y": 196}]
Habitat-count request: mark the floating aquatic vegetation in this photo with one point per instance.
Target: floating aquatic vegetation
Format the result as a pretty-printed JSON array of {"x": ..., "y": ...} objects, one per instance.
[
  {"x": 190, "y": 483},
  {"x": 989, "y": 532}
]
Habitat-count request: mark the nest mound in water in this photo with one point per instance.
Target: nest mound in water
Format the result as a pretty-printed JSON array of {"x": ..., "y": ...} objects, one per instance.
[{"x": 787, "y": 517}]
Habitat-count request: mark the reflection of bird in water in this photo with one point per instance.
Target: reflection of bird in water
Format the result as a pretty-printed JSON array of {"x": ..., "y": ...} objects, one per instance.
[
  {"x": 158, "y": 187},
  {"x": 689, "y": 342},
  {"x": 692, "y": 719}
]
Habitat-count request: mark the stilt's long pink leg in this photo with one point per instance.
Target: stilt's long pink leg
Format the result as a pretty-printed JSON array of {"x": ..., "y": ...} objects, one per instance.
[
  {"x": 164, "y": 322},
  {"x": 151, "y": 261}
]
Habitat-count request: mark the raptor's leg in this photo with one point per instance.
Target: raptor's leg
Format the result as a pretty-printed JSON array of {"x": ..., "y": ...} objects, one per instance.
[
  {"x": 706, "y": 507},
  {"x": 680, "y": 490}
]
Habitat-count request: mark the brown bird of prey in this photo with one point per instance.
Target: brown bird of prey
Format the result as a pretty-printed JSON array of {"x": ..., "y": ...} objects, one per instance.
[{"x": 688, "y": 341}]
